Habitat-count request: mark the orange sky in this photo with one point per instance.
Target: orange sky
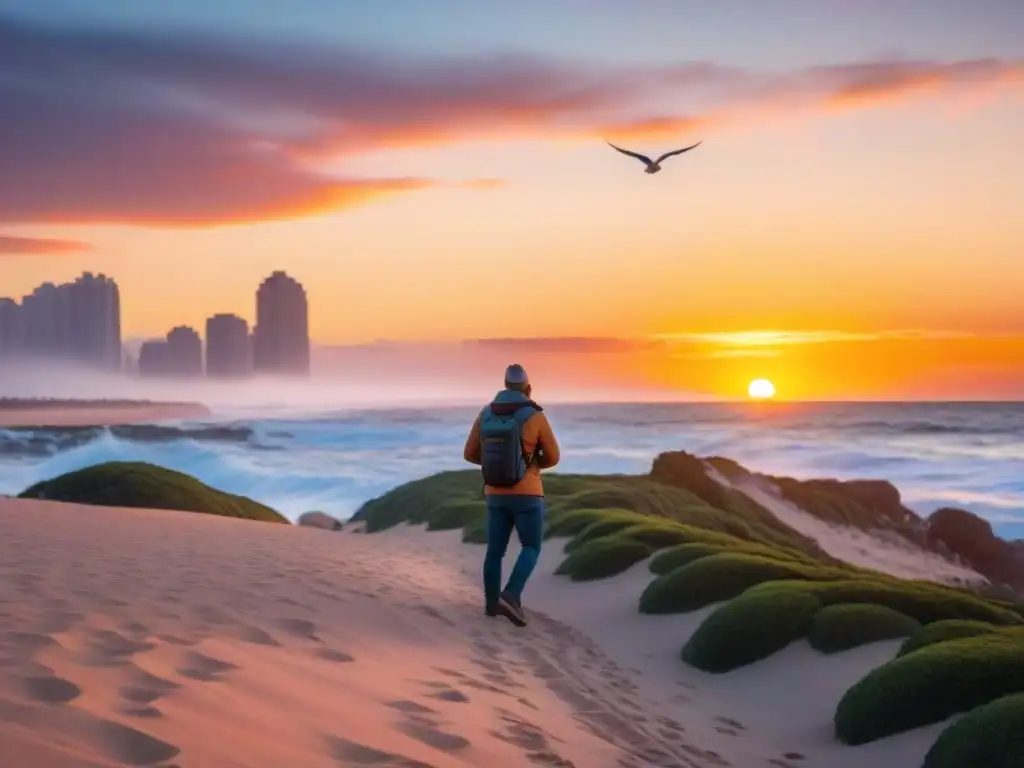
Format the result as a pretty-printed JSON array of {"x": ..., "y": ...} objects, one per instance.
[{"x": 878, "y": 208}]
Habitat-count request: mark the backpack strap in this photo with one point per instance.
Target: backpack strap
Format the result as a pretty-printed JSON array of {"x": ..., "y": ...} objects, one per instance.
[{"x": 522, "y": 415}]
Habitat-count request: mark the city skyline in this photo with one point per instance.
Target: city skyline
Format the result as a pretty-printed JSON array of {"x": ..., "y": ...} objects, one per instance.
[
  {"x": 80, "y": 322},
  {"x": 847, "y": 229}
]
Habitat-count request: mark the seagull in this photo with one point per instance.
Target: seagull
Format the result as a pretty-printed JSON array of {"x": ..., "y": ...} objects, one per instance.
[{"x": 653, "y": 166}]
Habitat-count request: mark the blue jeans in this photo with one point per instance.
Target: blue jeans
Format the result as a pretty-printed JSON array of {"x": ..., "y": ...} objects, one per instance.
[{"x": 526, "y": 515}]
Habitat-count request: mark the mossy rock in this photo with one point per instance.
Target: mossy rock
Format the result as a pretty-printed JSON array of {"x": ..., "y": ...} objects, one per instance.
[
  {"x": 706, "y": 543},
  {"x": 723, "y": 576},
  {"x": 659, "y": 535},
  {"x": 571, "y": 522},
  {"x": 930, "y": 685},
  {"x": 923, "y": 601},
  {"x": 838, "y": 628},
  {"x": 455, "y": 514},
  {"x": 412, "y": 502},
  {"x": 991, "y": 736},
  {"x": 604, "y": 557},
  {"x": 475, "y": 532},
  {"x": 141, "y": 485},
  {"x": 604, "y": 526},
  {"x": 748, "y": 629},
  {"x": 941, "y": 631},
  {"x": 684, "y": 554}
]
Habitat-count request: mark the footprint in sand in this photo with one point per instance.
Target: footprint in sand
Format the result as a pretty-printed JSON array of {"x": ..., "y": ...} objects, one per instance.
[
  {"x": 177, "y": 640},
  {"x": 303, "y": 628},
  {"x": 57, "y": 621},
  {"x": 138, "y": 694},
  {"x": 338, "y": 657},
  {"x": 206, "y": 669},
  {"x": 451, "y": 694},
  {"x": 106, "y": 642},
  {"x": 522, "y": 733},
  {"x": 26, "y": 643},
  {"x": 350, "y": 753},
  {"x": 143, "y": 712},
  {"x": 427, "y": 733},
  {"x": 552, "y": 759},
  {"x": 50, "y": 689},
  {"x": 135, "y": 628},
  {"x": 411, "y": 707},
  {"x": 258, "y": 636},
  {"x": 123, "y": 744},
  {"x": 435, "y": 614},
  {"x": 788, "y": 760}
]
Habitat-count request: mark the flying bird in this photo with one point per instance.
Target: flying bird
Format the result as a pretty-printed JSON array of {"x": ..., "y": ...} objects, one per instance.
[{"x": 653, "y": 166}]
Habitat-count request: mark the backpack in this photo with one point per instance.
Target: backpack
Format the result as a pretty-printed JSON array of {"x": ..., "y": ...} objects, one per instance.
[{"x": 502, "y": 459}]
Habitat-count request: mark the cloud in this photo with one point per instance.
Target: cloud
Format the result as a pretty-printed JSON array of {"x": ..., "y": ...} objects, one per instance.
[
  {"x": 169, "y": 129},
  {"x": 564, "y": 344},
  {"x": 40, "y": 246},
  {"x": 825, "y": 89},
  {"x": 756, "y": 339}
]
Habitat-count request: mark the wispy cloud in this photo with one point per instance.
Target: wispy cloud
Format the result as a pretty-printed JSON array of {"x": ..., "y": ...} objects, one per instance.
[
  {"x": 27, "y": 246},
  {"x": 190, "y": 130},
  {"x": 565, "y": 344},
  {"x": 766, "y": 338},
  {"x": 833, "y": 88}
]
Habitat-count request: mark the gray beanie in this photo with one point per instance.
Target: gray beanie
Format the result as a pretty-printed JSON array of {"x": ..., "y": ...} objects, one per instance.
[{"x": 516, "y": 378}]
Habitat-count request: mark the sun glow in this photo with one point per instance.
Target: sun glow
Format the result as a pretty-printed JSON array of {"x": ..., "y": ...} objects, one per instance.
[{"x": 761, "y": 389}]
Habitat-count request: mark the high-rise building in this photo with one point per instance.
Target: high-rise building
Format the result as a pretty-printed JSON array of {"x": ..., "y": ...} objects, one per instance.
[
  {"x": 80, "y": 321},
  {"x": 154, "y": 359},
  {"x": 228, "y": 346},
  {"x": 47, "y": 322},
  {"x": 95, "y": 310},
  {"x": 185, "y": 347},
  {"x": 281, "y": 335},
  {"x": 179, "y": 354},
  {"x": 12, "y": 340}
]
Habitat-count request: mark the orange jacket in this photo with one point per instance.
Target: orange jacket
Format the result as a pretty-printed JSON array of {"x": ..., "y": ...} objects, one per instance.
[{"x": 537, "y": 434}]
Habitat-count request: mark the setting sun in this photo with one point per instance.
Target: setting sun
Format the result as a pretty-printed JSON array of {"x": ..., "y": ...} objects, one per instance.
[{"x": 761, "y": 389}]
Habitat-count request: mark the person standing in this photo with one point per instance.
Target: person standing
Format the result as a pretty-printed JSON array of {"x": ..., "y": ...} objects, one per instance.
[{"x": 512, "y": 441}]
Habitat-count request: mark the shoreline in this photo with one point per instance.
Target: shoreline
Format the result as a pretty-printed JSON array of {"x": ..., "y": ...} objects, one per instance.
[{"x": 98, "y": 413}]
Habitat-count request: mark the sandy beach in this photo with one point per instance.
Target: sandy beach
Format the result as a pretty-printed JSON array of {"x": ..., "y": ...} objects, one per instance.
[
  {"x": 155, "y": 638},
  {"x": 75, "y": 415}
]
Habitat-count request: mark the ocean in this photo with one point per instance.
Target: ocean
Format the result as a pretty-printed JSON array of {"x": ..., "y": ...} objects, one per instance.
[{"x": 969, "y": 455}]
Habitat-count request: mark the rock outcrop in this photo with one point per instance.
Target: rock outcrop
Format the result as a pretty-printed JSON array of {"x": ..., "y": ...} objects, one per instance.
[{"x": 320, "y": 520}]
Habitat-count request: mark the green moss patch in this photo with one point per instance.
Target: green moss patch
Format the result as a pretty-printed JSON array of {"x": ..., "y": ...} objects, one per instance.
[
  {"x": 604, "y": 557},
  {"x": 941, "y": 631},
  {"x": 923, "y": 601},
  {"x": 571, "y": 522},
  {"x": 721, "y": 577},
  {"x": 930, "y": 685},
  {"x": 991, "y": 736},
  {"x": 142, "y": 485},
  {"x": 455, "y": 514},
  {"x": 750, "y": 628},
  {"x": 606, "y": 525},
  {"x": 475, "y": 532},
  {"x": 704, "y": 543},
  {"x": 841, "y": 627}
]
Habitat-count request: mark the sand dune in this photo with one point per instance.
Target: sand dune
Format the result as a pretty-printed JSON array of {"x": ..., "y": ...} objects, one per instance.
[
  {"x": 137, "y": 637},
  {"x": 880, "y": 550}
]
